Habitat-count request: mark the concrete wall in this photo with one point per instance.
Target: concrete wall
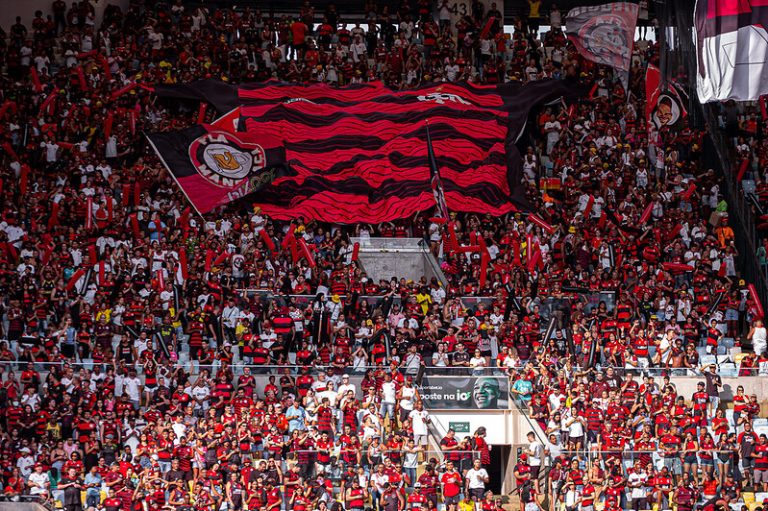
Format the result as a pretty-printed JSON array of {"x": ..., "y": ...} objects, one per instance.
[
  {"x": 26, "y": 9},
  {"x": 384, "y": 258}
]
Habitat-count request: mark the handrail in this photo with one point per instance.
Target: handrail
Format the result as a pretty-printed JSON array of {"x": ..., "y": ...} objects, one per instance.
[{"x": 428, "y": 370}]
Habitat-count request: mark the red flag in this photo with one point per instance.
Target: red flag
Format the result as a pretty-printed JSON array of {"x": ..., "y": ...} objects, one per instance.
[
  {"x": 536, "y": 219},
  {"x": 105, "y": 67},
  {"x": 35, "y": 79},
  {"x": 534, "y": 261},
  {"x": 646, "y": 213},
  {"x": 53, "y": 220},
  {"x": 183, "y": 263},
  {"x": 74, "y": 278},
  {"x": 132, "y": 121},
  {"x": 11, "y": 252},
  {"x": 209, "y": 259},
  {"x": 160, "y": 280},
  {"x": 201, "y": 112},
  {"x": 588, "y": 208},
  {"x": 742, "y": 169},
  {"x": 355, "y": 251},
  {"x": 220, "y": 258},
  {"x": 516, "y": 261},
  {"x": 268, "y": 241},
  {"x": 81, "y": 78},
  {"x": 763, "y": 111},
  {"x": 108, "y": 124},
  {"x": 23, "y": 179},
  {"x": 92, "y": 254},
  {"x": 136, "y": 193},
  {"x": 9, "y": 150},
  {"x": 126, "y": 195},
  {"x": 306, "y": 253},
  {"x": 135, "y": 226},
  {"x": 124, "y": 90},
  {"x": 756, "y": 299},
  {"x": 86, "y": 54},
  {"x": 89, "y": 213},
  {"x": 110, "y": 209},
  {"x": 602, "y": 220},
  {"x": 485, "y": 32},
  {"x": 528, "y": 248},
  {"x": 47, "y": 104},
  {"x": 686, "y": 195},
  {"x": 184, "y": 222}
]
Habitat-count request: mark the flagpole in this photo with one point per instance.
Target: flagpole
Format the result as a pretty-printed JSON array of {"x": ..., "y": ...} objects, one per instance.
[{"x": 435, "y": 181}]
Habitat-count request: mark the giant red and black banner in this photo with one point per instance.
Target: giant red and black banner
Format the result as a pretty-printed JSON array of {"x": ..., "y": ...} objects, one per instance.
[
  {"x": 360, "y": 153},
  {"x": 732, "y": 49}
]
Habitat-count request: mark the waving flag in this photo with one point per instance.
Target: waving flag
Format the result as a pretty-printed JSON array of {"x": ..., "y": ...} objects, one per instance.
[
  {"x": 605, "y": 34},
  {"x": 360, "y": 153},
  {"x": 663, "y": 106},
  {"x": 214, "y": 166},
  {"x": 731, "y": 49}
]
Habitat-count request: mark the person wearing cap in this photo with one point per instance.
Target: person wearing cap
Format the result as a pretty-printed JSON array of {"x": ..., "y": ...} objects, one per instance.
[
  {"x": 417, "y": 500},
  {"x": 345, "y": 387},
  {"x": 39, "y": 482}
]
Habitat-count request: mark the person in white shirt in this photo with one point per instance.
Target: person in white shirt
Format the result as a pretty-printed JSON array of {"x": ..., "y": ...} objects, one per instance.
[
  {"x": 419, "y": 422},
  {"x": 39, "y": 482},
  {"x": 636, "y": 481},
  {"x": 132, "y": 388},
  {"x": 535, "y": 452},
  {"x": 346, "y": 387},
  {"x": 476, "y": 479},
  {"x": 388, "y": 398},
  {"x": 229, "y": 318}
]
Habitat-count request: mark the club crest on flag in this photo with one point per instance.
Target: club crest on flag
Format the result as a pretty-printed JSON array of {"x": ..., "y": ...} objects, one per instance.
[
  {"x": 605, "y": 37},
  {"x": 441, "y": 98},
  {"x": 224, "y": 160}
]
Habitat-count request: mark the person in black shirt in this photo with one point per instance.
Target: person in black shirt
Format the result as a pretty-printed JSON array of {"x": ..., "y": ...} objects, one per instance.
[{"x": 72, "y": 486}]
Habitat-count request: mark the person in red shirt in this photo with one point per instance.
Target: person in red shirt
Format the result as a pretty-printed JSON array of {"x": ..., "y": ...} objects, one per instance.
[
  {"x": 451, "y": 483},
  {"x": 760, "y": 454},
  {"x": 417, "y": 500},
  {"x": 298, "y": 38}
]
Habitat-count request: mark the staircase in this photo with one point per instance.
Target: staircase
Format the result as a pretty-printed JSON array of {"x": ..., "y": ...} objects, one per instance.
[{"x": 409, "y": 258}]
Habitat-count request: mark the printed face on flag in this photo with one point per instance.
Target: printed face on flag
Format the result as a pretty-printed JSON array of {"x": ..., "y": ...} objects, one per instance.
[{"x": 667, "y": 111}]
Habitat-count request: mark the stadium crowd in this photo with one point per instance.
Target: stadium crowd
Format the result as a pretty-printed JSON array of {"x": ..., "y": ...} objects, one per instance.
[{"x": 142, "y": 400}]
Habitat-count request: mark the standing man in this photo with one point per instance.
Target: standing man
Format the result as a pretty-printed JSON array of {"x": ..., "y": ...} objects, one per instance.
[
  {"x": 713, "y": 385},
  {"x": 476, "y": 479}
]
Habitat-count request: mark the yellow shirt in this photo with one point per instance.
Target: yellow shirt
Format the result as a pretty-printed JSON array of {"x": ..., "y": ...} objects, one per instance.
[
  {"x": 424, "y": 300},
  {"x": 535, "y": 7},
  {"x": 466, "y": 506}
]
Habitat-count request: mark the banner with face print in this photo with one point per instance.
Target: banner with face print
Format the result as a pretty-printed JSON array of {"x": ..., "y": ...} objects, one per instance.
[{"x": 464, "y": 392}]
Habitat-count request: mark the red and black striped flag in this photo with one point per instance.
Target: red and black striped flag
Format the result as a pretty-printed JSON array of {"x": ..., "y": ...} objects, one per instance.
[{"x": 360, "y": 153}]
